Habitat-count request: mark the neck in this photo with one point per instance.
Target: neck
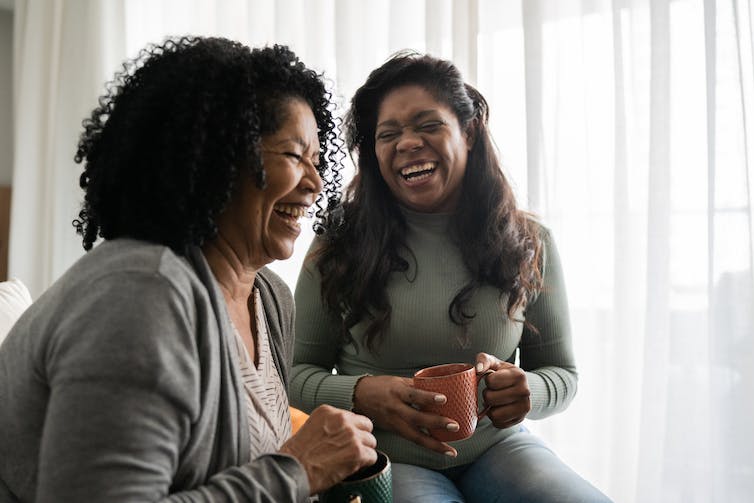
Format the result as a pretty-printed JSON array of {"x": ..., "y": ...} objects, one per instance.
[{"x": 234, "y": 275}]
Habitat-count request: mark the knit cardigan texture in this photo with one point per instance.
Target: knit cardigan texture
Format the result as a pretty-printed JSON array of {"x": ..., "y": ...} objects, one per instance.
[{"x": 118, "y": 384}]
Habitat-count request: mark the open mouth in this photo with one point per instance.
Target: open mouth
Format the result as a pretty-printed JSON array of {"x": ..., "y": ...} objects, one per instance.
[
  {"x": 417, "y": 172},
  {"x": 290, "y": 212}
]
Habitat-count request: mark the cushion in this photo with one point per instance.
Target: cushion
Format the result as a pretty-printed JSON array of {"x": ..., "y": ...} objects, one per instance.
[
  {"x": 298, "y": 418},
  {"x": 14, "y": 299}
]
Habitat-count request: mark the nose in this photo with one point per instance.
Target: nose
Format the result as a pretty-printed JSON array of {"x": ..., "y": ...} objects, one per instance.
[
  {"x": 410, "y": 141},
  {"x": 311, "y": 182}
]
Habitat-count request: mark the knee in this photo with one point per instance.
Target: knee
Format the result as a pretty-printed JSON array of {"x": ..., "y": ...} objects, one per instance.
[{"x": 544, "y": 487}]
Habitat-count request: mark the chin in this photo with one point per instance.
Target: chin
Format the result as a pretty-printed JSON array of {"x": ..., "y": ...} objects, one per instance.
[{"x": 282, "y": 254}]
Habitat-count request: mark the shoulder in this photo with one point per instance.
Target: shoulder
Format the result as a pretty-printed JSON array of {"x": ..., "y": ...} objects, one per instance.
[
  {"x": 541, "y": 232},
  {"x": 128, "y": 267},
  {"x": 127, "y": 310},
  {"x": 537, "y": 226},
  {"x": 549, "y": 257},
  {"x": 128, "y": 256},
  {"x": 123, "y": 272}
]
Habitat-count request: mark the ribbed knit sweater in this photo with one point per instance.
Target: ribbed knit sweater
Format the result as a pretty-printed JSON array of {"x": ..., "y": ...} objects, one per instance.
[{"x": 421, "y": 334}]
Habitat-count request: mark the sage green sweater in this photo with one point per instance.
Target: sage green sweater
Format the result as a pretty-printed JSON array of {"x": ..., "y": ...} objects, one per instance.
[{"x": 421, "y": 334}]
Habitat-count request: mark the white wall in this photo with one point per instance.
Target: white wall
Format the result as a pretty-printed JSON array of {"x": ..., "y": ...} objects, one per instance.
[{"x": 6, "y": 96}]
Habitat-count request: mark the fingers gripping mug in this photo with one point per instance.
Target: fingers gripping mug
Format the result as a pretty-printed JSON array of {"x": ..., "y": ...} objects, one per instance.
[
  {"x": 373, "y": 484},
  {"x": 459, "y": 383}
]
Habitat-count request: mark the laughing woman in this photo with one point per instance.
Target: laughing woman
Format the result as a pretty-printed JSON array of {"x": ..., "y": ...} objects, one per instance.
[
  {"x": 434, "y": 263},
  {"x": 156, "y": 367}
]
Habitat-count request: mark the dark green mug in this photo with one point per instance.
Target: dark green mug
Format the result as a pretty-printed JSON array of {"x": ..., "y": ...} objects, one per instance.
[{"x": 373, "y": 484}]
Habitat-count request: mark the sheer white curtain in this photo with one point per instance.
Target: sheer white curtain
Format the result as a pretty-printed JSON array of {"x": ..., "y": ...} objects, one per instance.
[
  {"x": 63, "y": 53},
  {"x": 625, "y": 124}
]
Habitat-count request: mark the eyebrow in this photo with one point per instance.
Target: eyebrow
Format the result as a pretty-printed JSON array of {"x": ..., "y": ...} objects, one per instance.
[
  {"x": 414, "y": 118},
  {"x": 293, "y": 139},
  {"x": 302, "y": 143}
]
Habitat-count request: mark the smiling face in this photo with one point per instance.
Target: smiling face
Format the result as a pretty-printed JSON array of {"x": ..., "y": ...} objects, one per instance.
[
  {"x": 265, "y": 221},
  {"x": 421, "y": 150}
]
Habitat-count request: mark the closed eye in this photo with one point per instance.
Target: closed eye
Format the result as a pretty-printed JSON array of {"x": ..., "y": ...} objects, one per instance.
[
  {"x": 387, "y": 135},
  {"x": 299, "y": 158},
  {"x": 430, "y": 126}
]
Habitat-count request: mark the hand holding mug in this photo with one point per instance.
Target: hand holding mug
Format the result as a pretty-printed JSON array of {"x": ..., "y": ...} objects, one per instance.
[
  {"x": 459, "y": 383},
  {"x": 391, "y": 402},
  {"x": 507, "y": 393},
  {"x": 372, "y": 484},
  {"x": 331, "y": 445}
]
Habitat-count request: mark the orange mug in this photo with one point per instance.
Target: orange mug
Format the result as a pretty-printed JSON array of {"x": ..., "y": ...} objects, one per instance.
[{"x": 459, "y": 383}]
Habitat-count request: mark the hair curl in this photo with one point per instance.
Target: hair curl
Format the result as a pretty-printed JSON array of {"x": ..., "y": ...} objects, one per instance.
[
  {"x": 500, "y": 244},
  {"x": 179, "y": 125}
]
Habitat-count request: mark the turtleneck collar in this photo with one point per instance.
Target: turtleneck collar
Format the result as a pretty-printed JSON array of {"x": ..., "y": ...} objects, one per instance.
[{"x": 435, "y": 221}]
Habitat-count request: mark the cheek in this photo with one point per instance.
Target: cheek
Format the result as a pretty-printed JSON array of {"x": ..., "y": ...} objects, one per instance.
[
  {"x": 384, "y": 161},
  {"x": 281, "y": 182},
  {"x": 463, "y": 157},
  {"x": 383, "y": 152},
  {"x": 458, "y": 149}
]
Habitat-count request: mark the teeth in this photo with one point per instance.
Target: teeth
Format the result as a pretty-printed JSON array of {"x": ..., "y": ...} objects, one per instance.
[
  {"x": 294, "y": 210},
  {"x": 418, "y": 167}
]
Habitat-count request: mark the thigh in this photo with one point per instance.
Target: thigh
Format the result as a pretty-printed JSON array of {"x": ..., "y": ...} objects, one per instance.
[
  {"x": 421, "y": 485},
  {"x": 523, "y": 469}
]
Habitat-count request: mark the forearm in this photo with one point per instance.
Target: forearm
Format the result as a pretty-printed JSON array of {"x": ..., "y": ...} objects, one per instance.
[
  {"x": 269, "y": 478},
  {"x": 317, "y": 346},
  {"x": 312, "y": 386}
]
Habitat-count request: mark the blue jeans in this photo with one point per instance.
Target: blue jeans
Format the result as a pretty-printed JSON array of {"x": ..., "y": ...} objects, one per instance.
[{"x": 519, "y": 469}]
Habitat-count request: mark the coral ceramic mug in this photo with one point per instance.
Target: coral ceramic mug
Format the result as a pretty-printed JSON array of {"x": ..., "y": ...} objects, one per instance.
[{"x": 459, "y": 383}]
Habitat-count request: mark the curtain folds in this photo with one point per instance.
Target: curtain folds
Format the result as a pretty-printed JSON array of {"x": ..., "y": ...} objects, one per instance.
[
  {"x": 63, "y": 53},
  {"x": 625, "y": 124}
]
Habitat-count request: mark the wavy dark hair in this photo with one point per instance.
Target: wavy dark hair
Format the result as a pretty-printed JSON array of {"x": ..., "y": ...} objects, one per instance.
[
  {"x": 500, "y": 244},
  {"x": 180, "y": 125}
]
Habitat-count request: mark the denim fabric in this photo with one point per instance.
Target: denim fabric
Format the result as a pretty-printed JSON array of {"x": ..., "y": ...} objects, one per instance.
[{"x": 519, "y": 469}]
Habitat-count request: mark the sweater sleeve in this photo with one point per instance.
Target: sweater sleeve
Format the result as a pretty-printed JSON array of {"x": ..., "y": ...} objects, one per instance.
[
  {"x": 547, "y": 354},
  {"x": 124, "y": 382},
  {"x": 316, "y": 349}
]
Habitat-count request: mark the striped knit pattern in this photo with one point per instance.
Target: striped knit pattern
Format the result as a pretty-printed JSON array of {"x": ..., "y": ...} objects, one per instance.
[
  {"x": 267, "y": 402},
  {"x": 421, "y": 334}
]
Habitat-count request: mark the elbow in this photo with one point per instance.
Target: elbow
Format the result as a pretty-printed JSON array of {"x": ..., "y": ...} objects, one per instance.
[{"x": 552, "y": 390}]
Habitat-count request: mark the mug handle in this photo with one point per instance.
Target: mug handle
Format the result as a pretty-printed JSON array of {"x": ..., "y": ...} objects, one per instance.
[{"x": 479, "y": 378}]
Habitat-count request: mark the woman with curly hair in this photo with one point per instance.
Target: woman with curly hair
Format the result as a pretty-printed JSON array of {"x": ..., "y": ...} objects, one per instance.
[
  {"x": 156, "y": 367},
  {"x": 432, "y": 262}
]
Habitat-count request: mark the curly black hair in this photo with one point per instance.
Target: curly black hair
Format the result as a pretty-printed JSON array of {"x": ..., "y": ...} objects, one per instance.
[
  {"x": 500, "y": 243},
  {"x": 178, "y": 127}
]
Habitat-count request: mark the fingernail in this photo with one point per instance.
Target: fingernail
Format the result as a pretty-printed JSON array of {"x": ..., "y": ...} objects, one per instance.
[
  {"x": 440, "y": 399},
  {"x": 450, "y": 453},
  {"x": 452, "y": 427},
  {"x": 479, "y": 367}
]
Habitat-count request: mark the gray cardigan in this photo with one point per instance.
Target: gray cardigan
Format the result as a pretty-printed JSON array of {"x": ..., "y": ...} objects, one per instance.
[{"x": 118, "y": 384}]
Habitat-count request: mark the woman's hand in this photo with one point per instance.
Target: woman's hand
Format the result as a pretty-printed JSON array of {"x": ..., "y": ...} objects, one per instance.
[
  {"x": 390, "y": 402},
  {"x": 507, "y": 392},
  {"x": 331, "y": 445}
]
